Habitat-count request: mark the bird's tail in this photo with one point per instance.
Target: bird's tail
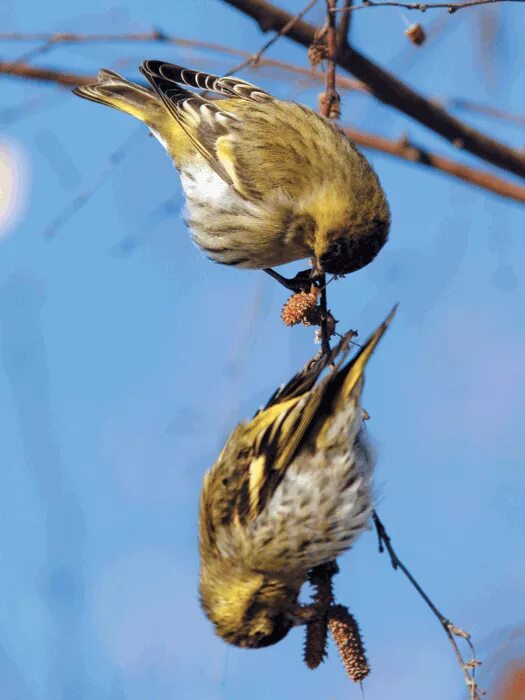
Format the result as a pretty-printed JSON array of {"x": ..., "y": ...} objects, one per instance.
[
  {"x": 351, "y": 374},
  {"x": 113, "y": 90},
  {"x": 339, "y": 403}
]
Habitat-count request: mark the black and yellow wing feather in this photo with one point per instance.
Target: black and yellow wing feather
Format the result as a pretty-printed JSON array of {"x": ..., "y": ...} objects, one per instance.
[
  {"x": 205, "y": 122},
  {"x": 255, "y": 458}
]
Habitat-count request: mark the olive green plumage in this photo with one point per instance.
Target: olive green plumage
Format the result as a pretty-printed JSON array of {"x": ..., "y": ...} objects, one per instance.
[
  {"x": 290, "y": 490},
  {"x": 267, "y": 181}
]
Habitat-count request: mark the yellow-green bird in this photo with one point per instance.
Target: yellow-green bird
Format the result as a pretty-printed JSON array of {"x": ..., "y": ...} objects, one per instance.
[
  {"x": 290, "y": 490},
  {"x": 267, "y": 181}
]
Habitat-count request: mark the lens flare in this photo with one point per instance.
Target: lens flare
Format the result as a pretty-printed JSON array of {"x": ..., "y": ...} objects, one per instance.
[{"x": 13, "y": 185}]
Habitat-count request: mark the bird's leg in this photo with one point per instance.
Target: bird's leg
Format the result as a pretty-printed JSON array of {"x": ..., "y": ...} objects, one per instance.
[
  {"x": 302, "y": 282},
  {"x": 321, "y": 579},
  {"x": 303, "y": 614}
]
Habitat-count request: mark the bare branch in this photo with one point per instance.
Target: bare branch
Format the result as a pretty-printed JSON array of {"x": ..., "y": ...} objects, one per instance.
[
  {"x": 451, "y": 7},
  {"x": 343, "y": 27},
  {"x": 51, "y": 39},
  {"x": 46, "y": 75},
  {"x": 256, "y": 57},
  {"x": 392, "y": 91},
  {"x": 477, "y": 108},
  {"x": 331, "y": 99},
  {"x": 61, "y": 38},
  {"x": 401, "y": 148},
  {"x": 452, "y": 632}
]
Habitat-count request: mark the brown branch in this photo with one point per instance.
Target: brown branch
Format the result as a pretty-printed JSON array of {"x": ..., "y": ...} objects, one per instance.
[
  {"x": 423, "y": 6},
  {"x": 331, "y": 96},
  {"x": 392, "y": 91},
  {"x": 343, "y": 27},
  {"x": 256, "y": 57},
  {"x": 46, "y": 75},
  {"x": 60, "y": 38},
  {"x": 331, "y": 99},
  {"x": 51, "y": 39},
  {"x": 401, "y": 148},
  {"x": 452, "y": 632},
  {"x": 478, "y": 108}
]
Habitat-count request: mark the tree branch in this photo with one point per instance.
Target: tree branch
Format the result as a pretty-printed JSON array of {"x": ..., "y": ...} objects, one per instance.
[
  {"x": 390, "y": 90},
  {"x": 452, "y": 632},
  {"x": 51, "y": 40},
  {"x": 401, "y": 148},
  {"x": 45, "y": 75},
  {"x": 331, "y": 99},
  {"x": 256, "y": 57},
  {"x": 423, "y": 6},
  {"x": 343, "y": 25}
]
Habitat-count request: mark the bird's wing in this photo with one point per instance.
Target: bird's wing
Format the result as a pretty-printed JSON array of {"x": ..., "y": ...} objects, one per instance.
[
  {"x": 204, "y": 121},
  {"x": 255, "y": 459},
  {"x": 306, "y": 378},
  {"x": 228, "y": 86},
  {"x": 285, "y": 426}
]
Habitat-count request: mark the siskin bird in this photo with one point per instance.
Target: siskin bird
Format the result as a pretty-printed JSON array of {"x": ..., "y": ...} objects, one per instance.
[
  {"x": 266, "y": 181},
  {"x": 290, "y": 490}
]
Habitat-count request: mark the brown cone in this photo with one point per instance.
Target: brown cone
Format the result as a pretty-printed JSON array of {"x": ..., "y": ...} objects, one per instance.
[{"x": 347, "y": 637}]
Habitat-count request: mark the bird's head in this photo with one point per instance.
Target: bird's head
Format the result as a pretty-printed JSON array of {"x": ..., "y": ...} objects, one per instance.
[
  {"x": 249, "y": 610},
  {"x": 345, "y": 250}
]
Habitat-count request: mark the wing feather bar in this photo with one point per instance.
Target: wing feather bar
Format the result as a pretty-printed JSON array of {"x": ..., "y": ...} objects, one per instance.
[
  {"x": 197, "y": 116},
  {"x": 228, "y": 86}
]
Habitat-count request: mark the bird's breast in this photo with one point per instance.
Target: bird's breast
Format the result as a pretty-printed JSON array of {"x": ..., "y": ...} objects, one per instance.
[
  {"x": 233, "y": 230},
  {"x": 318, "y": 510}
]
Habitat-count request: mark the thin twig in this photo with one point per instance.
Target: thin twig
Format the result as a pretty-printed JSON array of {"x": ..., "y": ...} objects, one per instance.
[
  {"x": 331, "y": 97},
  {"x": 343, "y": 27},
  {"x": 477, "y": 108},
  {"x": 412, "y": 153},
  {"x": 60, "y": 38},
  {"x": 254, "y": 59},
  {"x": 391, "y": 90},
  {"x": 422, "y": 6},
  {"x": 468, "y": 667},
  {"x": 51, "y": 39}
]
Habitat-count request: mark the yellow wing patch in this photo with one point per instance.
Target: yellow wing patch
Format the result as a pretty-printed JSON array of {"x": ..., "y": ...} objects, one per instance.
[
  {"x": 257, "y": 477},
  {"x": 225, "y": 156}
]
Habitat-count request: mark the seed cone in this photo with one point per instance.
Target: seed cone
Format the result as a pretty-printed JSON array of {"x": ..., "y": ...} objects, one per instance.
[
  {"x": 347, "y": 637},
  {"x": 301, "y": 308},
  {"x": 314, "y": 652},
  {"x": 416, "y": 34},
  {"x": 317, "y": 52},
  {"x": 323, "y": 598}
]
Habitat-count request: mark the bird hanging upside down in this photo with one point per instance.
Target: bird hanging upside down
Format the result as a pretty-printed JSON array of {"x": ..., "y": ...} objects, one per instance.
[
  {"x": 267, "y": 181},
  {"x": 291, "y": 490}
]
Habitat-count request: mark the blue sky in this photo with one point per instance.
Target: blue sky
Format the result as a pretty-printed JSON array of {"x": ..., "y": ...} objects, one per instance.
[{"x": 126, "y": 358}]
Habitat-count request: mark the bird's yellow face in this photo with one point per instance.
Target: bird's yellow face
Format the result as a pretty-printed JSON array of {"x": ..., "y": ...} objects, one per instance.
[
  {"x": 258, "y": 628},
  {"x": 342, "y": 251},
  {"x": 249, "y": 611}
]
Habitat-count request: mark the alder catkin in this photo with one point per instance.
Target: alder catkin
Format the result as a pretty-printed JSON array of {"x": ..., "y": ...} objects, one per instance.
[
  {"x": 323, "y": 597},
  {"x": 346, "y": 635},
  {"x": 301, "y": 308}
]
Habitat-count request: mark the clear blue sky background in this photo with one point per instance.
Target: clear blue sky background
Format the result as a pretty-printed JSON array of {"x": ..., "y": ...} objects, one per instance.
[{"x": 126, "y": 358}]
